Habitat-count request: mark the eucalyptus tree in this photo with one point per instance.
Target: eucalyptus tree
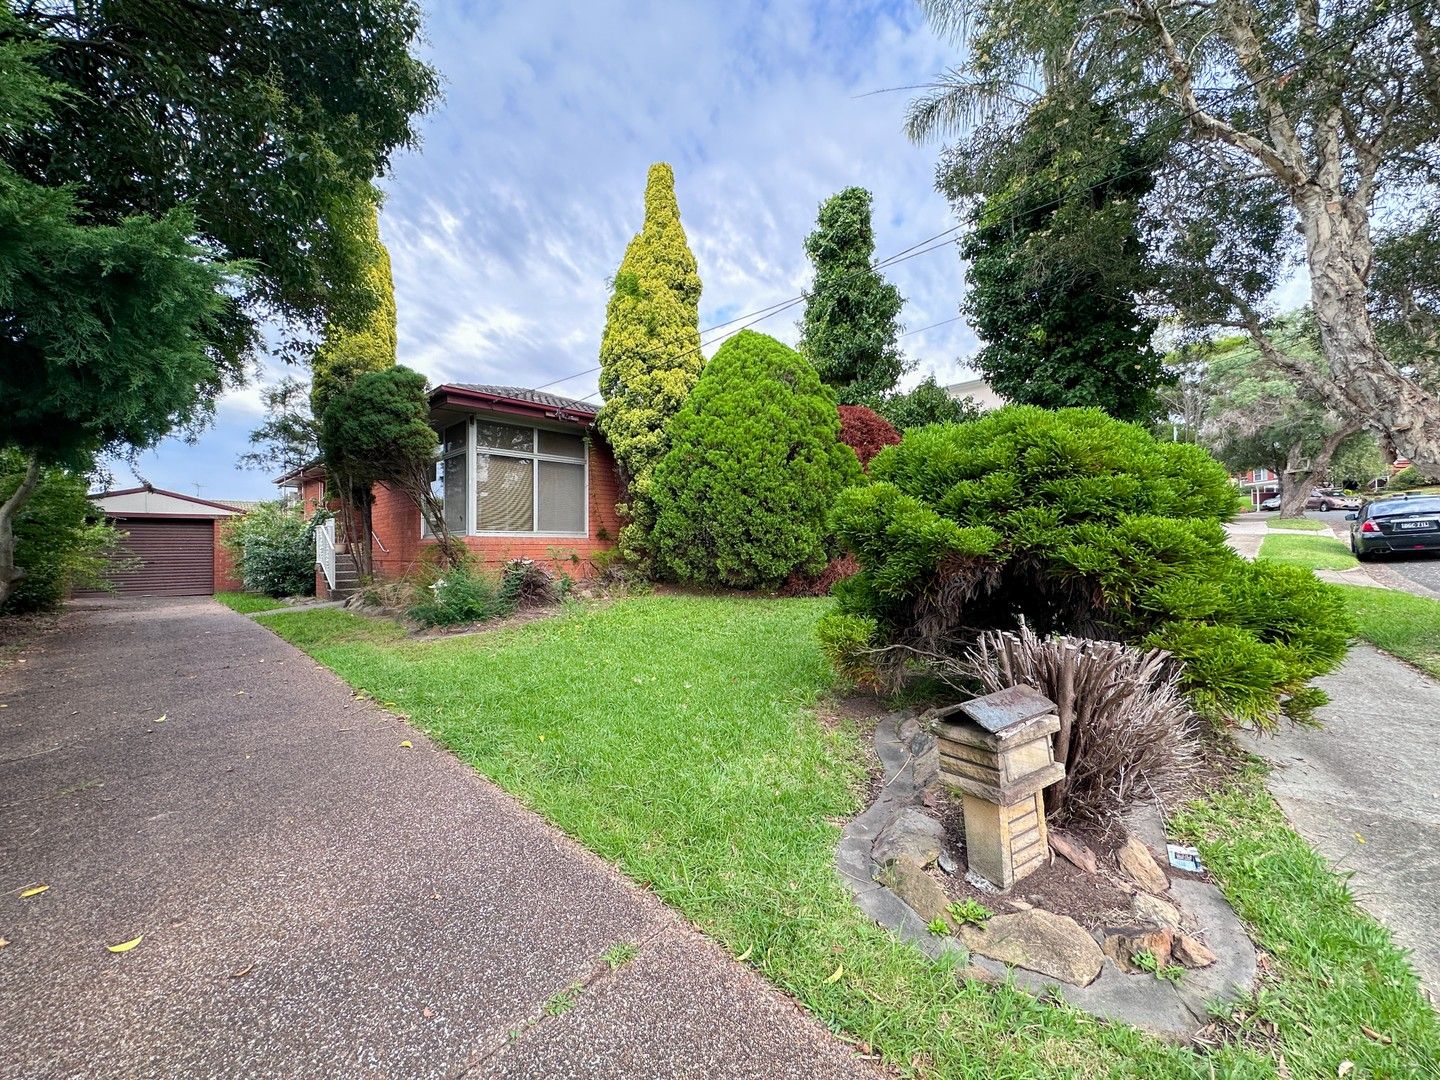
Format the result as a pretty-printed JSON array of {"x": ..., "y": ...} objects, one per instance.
[{"x": 1301, "y": 132}]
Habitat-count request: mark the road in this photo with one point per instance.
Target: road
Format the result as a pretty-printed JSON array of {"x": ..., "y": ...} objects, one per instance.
[{"x": 1423, "y": 568}]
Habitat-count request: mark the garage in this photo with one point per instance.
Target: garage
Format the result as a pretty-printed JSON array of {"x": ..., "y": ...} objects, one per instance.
[{"x": 172, "y": 543}]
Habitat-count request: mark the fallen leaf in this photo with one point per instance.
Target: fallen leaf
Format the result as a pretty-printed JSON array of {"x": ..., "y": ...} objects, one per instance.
[
  {"x": 3, "y": 942},
  {"x": 542, "y": 738},
  {"x": 126, "y": 946},
  {"x": 835, "y": 975},
  {"x": 746, "y": 954},
  {"x": 238, "y": 974},
  {"x": 427, "y": 1012},
  {"x": 404, "y": 744},
  {"x": 1375, "y": 1036},
  {"x": 1359, "y": 839},
  {"x": 34, "y": 890},
  {"x": 1346, "y": 1068},
  {"x": 160, "y": 719}
]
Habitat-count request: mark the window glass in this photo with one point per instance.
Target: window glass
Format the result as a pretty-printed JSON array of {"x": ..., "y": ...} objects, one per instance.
[
  {"x": 504, "y": 436},
  {"x": 504, "y": 493},
  {"x": 455, "y": 438},
  {"x": 1393, "y": 507},
  {"x": 562, "y": 444},
  {"x": 454, "y": 495},
  {"x": 562, "y": 497}
]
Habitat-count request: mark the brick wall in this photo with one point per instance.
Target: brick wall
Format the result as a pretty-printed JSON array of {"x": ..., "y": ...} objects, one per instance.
[
  {"x": 227, "y": 574},
  {"x": 397, "y": 525}
]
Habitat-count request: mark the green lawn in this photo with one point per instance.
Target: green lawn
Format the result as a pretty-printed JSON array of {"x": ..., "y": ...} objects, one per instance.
[
  {"x": 1402, "y": 624},
  {"x": 248, "y": 603},
  {"x": 1311, "y": 552},
  {"x": 675, "y": 736},
  {"x": 1309, "y": 524}
]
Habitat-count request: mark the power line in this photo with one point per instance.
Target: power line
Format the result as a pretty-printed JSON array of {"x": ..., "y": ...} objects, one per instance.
[{"x": 920, "y": 248}]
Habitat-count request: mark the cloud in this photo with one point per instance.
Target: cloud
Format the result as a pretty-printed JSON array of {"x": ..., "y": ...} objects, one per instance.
[{"x": 505, "y": 228}]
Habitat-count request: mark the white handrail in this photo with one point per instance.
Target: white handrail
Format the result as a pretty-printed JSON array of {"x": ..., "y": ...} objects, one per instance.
[{"x": 325, "y": 550}]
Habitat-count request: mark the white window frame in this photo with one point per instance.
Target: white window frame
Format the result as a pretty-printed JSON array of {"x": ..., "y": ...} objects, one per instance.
[{"x": 472, "y": 449}]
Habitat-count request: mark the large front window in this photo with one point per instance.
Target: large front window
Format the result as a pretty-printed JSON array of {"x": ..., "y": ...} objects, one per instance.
[{"x": 525, "y": 479}]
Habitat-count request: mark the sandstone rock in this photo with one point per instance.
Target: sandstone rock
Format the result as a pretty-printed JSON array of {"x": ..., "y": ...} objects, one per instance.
[
  {"x": 1191, "y": 952},
  {"x": 1140, "y": 866},
  {"x": 976, "y": 973},
  {"x": 946, "y": 861},
  {"x": 1121, "y": 945},
  {"x": 911, "y": 833},
  {"x": 1053, "y": 945},
  {"x": 907, "y": 878},
  {"x": 1154, "y": 910},
  {"x": 1074, "y": 850}
]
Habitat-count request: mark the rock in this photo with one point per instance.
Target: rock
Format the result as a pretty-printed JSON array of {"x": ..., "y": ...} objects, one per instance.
[
  {"x": 1192, "y": 952},
  {"x": 908, "y": 880},
  {"x": 1140, "y": 866},
  {"x": 976, "y": 973},
  {"x": 1121, "y": 945},
  {"x": 946, "y": 861},
  {"x": 1074, "y": 851},
  {"x": 911, "y": 833},
  {"x": 1154, "y": 910},
  {"x": 1053, "y": 945}
]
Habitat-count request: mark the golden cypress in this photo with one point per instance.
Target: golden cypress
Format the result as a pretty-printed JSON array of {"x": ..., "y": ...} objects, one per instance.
[{"x": 348, "y": 352}]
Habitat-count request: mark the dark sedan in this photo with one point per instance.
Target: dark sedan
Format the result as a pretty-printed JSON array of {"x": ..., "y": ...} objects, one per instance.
[{"x": 1395, "y": 523}]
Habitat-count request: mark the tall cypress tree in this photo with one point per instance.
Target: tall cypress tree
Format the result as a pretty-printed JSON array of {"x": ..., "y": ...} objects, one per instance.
[
  {"x": 849, "y": 330},
  {"x": 1056, "y": 260},
  {"x": 650, "y": 352}
]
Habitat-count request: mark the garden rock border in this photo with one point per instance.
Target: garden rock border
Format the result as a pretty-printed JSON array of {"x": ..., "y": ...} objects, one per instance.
[{"x": 1173, "y": 1010}]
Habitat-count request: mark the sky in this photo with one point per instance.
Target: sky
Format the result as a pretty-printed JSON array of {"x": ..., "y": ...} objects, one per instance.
[{"x": 505, "y": 226}]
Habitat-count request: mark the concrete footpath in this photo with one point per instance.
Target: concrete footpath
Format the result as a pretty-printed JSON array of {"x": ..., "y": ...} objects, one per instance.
[
  {"x": 1363, "y": 789},
  {"x": 314, "y": 899}
]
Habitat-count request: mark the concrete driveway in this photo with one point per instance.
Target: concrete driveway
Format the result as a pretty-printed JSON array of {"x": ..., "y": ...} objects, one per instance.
[{"x": 314, "y": 899}]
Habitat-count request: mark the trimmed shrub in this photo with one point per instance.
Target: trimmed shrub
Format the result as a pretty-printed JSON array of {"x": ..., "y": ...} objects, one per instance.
[
  {"x": 274, "y": 546},
  {"x": 1407, "y": 478},
  {"x": 755, "y": 462},
  {"x": 926, "y": 403},
  {"x": 1084, "y": 525},
  {"x": 866, "y": 432},
  {"x": 821, "y": 584}
]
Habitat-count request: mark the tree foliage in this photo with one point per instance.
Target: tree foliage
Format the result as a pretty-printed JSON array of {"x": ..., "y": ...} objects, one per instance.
[
  {"x": 754, "y": 463},
  {"x": 286, "y": 439},
  {"x": 274, "y": 546},
  {"x": 61, "y": 539},
  {"x": 650, "y": 351},
  {"x": 1076, "y": 523},
  {"x": 1294, "y": 132},
  {"x": 925, "y": 403},
  {"x": 849, "y": 330},
  {"x": 1056, "y": 261},
  {"x": 266, "y": 120}
]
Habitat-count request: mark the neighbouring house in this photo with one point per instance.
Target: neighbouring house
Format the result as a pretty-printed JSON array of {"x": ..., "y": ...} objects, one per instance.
[
  {"x": 172, "y": 541},
  {"x": 1258, "y": 485},
  {"x": 978, "y": 391},
  {"x": 520, "y": 474}
]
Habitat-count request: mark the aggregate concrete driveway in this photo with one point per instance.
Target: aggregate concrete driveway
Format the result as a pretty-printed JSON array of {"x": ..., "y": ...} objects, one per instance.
[{"x": 314, "y": 899}]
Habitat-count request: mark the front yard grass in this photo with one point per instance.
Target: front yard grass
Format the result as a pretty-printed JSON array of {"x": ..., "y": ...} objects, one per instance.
[
  {"x": 676, "y": 737},
  {"x": 1403, "y": 624},
  {"x": 247, "y": 603},
  {"x": 1309, "y": 524},
  {"x": 1311, "y": 552}
]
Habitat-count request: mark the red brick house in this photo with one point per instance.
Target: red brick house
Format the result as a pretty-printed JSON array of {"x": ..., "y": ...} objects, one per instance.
[{"x": 520, "y": 473}]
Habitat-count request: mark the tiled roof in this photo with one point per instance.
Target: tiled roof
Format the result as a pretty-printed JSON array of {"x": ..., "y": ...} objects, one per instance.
[
  {"x": 242, "y": 504},
  {"x": 535, "y": 397}
]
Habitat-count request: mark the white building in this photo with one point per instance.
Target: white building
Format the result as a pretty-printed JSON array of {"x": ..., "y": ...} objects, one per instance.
[{"x": 978, "y": 391}]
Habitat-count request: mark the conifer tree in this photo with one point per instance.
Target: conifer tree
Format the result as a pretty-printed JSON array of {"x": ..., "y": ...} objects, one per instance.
[
  {"x": 849, "y": 330},
  {"x": 650, "y": 352}
]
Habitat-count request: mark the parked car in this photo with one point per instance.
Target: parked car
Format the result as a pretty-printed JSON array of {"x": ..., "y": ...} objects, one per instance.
[
  {"x": 1392, "y": 523},
  {"x": 1272, "y": 503},
  {"x": 1331, "y": 500}
]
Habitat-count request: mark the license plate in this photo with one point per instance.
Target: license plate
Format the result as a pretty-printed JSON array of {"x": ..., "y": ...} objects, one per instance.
[{"x": 1408, "y": 525}]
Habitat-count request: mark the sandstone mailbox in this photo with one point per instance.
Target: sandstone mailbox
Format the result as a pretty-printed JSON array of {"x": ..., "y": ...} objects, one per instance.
[{"x": 998, "y": 751}]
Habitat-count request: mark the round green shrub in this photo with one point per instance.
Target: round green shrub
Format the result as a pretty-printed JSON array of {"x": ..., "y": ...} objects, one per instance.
[
  {"x": 275, "y": 547},
  {"x": 754, "y": 465},
  {"x": 1078, "y": 524}
]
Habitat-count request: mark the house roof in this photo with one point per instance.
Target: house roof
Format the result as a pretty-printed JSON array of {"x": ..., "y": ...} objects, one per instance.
[
  {"x": 534, "y": 397},
  {"x": 151, "y": 489},
  {"x": 513, "y": 399}
]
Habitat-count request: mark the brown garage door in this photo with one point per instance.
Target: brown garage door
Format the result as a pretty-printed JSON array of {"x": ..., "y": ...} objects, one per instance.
[{"x": 177, "y": 556}]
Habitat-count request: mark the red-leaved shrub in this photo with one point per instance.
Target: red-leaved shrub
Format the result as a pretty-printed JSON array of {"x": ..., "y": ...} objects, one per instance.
[
  {"x": 802, "y": 584},
  {"x": 865, "y": 431}
]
